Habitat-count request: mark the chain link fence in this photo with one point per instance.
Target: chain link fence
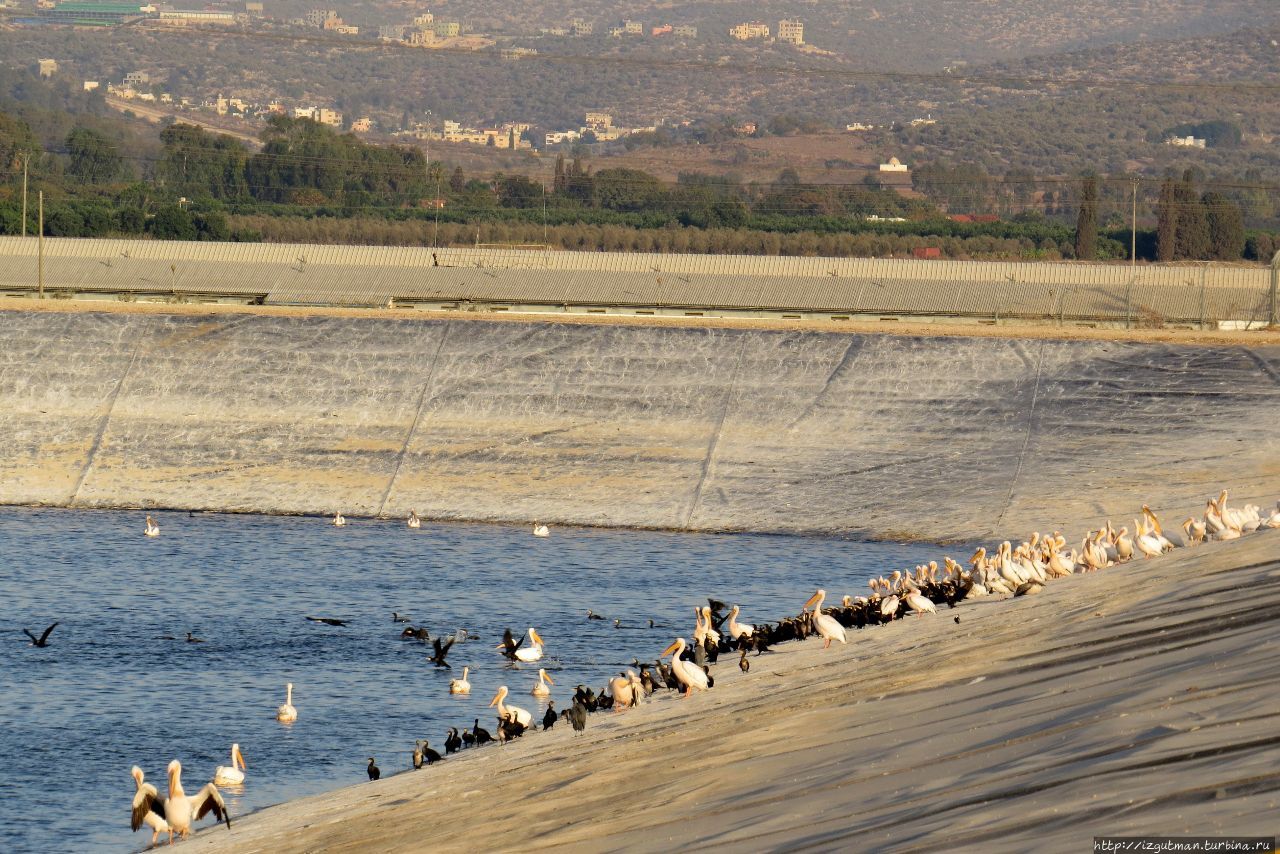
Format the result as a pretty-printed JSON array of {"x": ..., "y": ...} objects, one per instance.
[{"x": 543, "y": 280}]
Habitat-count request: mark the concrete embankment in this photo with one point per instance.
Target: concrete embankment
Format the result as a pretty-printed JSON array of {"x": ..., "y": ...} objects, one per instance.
[
  {"x": 1136, "y": 700},
  {"x": 648, "y": 426}
]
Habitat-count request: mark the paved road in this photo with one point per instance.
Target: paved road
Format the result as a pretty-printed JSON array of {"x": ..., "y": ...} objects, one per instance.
[{"x": 159, "y": 114}]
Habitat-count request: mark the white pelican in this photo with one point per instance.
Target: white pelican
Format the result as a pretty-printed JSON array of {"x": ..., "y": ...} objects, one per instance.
[
  {"x": 920, "y": 603},
  {"x": 339, "y": 520},
  {"x": 736, "y": 629},
  {"x": 825, "y": 624},
  {"x": 147, "y": 809},
  {"x": 541, "y": 530},
  {"x": 626, "y": 690},
  {"x": 414, "y": 521},
  {"x": 522, "y": 716},
  {"x": 152, "y": 529},
  {"x": 688, "y": 674},
  {"x": 181, "y": 811},
  {"x": 1146, "y": 543},
  {"x": 233, "y": 775},
  {"x": 287, "y": 713},
  {"x": 531, "y": 651},
  {"x": 460, "y": 686},
  {"x": 541, "y": 689}
]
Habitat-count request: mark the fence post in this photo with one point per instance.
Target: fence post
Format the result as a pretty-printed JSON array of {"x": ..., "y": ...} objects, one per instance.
[
  {"x": 1203, "y": 271},
  {"x": 1275, "y": 276},
  {"x": 1128, "y": 304}
]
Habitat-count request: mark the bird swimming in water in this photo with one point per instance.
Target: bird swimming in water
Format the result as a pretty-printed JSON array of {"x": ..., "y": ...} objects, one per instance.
[
  {"x": 541, "y": 689},
  {"x": 43, "y": 640},
  {"x": 152, "y": 529},
  {"x": 414, "y": 521},
  {"x": 373, "y": 770},
  {"x": 400, "y": 618},
  {"x": 287, "y": 713},
  {"x": 339, "y": 520},
  {"x": 193, "y": 639},
  {"x": 233, "y": 774},
  {"x": 541, "y": 530},
  {"x": 461, "y": 686},
  {"x": 592, "y": 615},
  {"x": 410, "y": 633}
]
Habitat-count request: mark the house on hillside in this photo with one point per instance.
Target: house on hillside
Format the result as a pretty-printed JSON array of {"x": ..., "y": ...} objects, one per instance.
[{"x": 894, "y": 165}]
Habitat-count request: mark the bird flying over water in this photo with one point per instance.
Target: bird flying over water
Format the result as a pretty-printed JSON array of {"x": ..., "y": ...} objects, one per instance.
[{"x": 329, "y": 621}]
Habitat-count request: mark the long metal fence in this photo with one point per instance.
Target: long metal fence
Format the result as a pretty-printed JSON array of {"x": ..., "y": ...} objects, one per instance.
[{"x": 545, "y": 280}]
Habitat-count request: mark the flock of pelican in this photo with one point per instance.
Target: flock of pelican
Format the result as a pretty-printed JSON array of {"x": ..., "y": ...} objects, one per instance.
[{"x": 1007, "y": 571}]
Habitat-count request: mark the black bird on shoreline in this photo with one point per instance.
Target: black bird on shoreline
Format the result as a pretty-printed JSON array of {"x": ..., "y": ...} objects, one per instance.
[
  {"x": 577, "y": 716},
  {"x": 549, "y": 719},
  {"x": 43, "y": 640},
  {"x": 481, "y": 734},
  {"x": 452, "y": 741},
  {"x": 374, "y": 773}
]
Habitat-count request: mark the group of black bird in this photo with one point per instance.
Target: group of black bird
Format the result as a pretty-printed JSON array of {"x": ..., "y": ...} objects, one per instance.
[{"x": 856, "y": 614}]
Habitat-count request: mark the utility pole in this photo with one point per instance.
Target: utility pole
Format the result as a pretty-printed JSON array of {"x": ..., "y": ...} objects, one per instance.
[
  {"x": 40, "y": 248},
  {"x": 1133, "y": 231},
  {"x": 26, "y": 158}
]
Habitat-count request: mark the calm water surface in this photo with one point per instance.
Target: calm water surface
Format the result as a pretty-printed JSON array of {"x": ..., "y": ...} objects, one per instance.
[{"x": 108, "y": 693}]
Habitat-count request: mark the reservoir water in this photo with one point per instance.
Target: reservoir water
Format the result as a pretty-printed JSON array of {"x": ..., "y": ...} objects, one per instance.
[{"x": 109, "y": 692}]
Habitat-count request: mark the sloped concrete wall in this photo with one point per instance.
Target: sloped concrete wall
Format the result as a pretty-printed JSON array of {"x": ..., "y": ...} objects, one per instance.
[{"x": 710, "y": 429}]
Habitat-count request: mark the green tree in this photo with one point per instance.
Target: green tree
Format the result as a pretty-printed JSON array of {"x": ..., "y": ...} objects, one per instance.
[
  {"x": 1226, "y": 227},
  {"x": 1192, "y": 240},
  {"x": 1166, "y": 222},
  {"x": 457, "y": 181},
  {"x": 172, "y": 223},
  {"x": 92, "y": 157},
  {"x": 517, "y": 191},
  {"x": 1087, "y": 220}
]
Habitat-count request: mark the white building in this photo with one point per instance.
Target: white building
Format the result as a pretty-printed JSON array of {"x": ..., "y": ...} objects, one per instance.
[{"x": 894, "y": 165}]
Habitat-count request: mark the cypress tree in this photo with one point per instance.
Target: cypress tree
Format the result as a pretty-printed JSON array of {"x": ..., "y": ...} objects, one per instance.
[
  {"x": 1087, "y": 219},
  {"x": 1166, "y": 222},
  {"x": 457, "y": 181},
  {"x": 1192, "y": 239},
  {"x": 1226, "y": 227},
  {"x": 560, "y": 182}
]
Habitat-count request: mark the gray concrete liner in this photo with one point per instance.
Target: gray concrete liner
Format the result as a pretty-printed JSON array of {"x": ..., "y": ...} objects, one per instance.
[{"x": 701, "y": 429}]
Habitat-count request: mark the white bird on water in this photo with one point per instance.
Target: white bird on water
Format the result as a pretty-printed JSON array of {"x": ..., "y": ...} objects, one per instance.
[
  {"x": 233, "y": 774},
  {"x": 461, "y": 686},
  {"x": 287, "y": 713},
  {"x": 339, "y": 520},
  {"x": 541, "y": 689},
  {"x": 152, "y": 529},
  {"x": 541, "y": 530},
  {"x": 414, "y": 521}
]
